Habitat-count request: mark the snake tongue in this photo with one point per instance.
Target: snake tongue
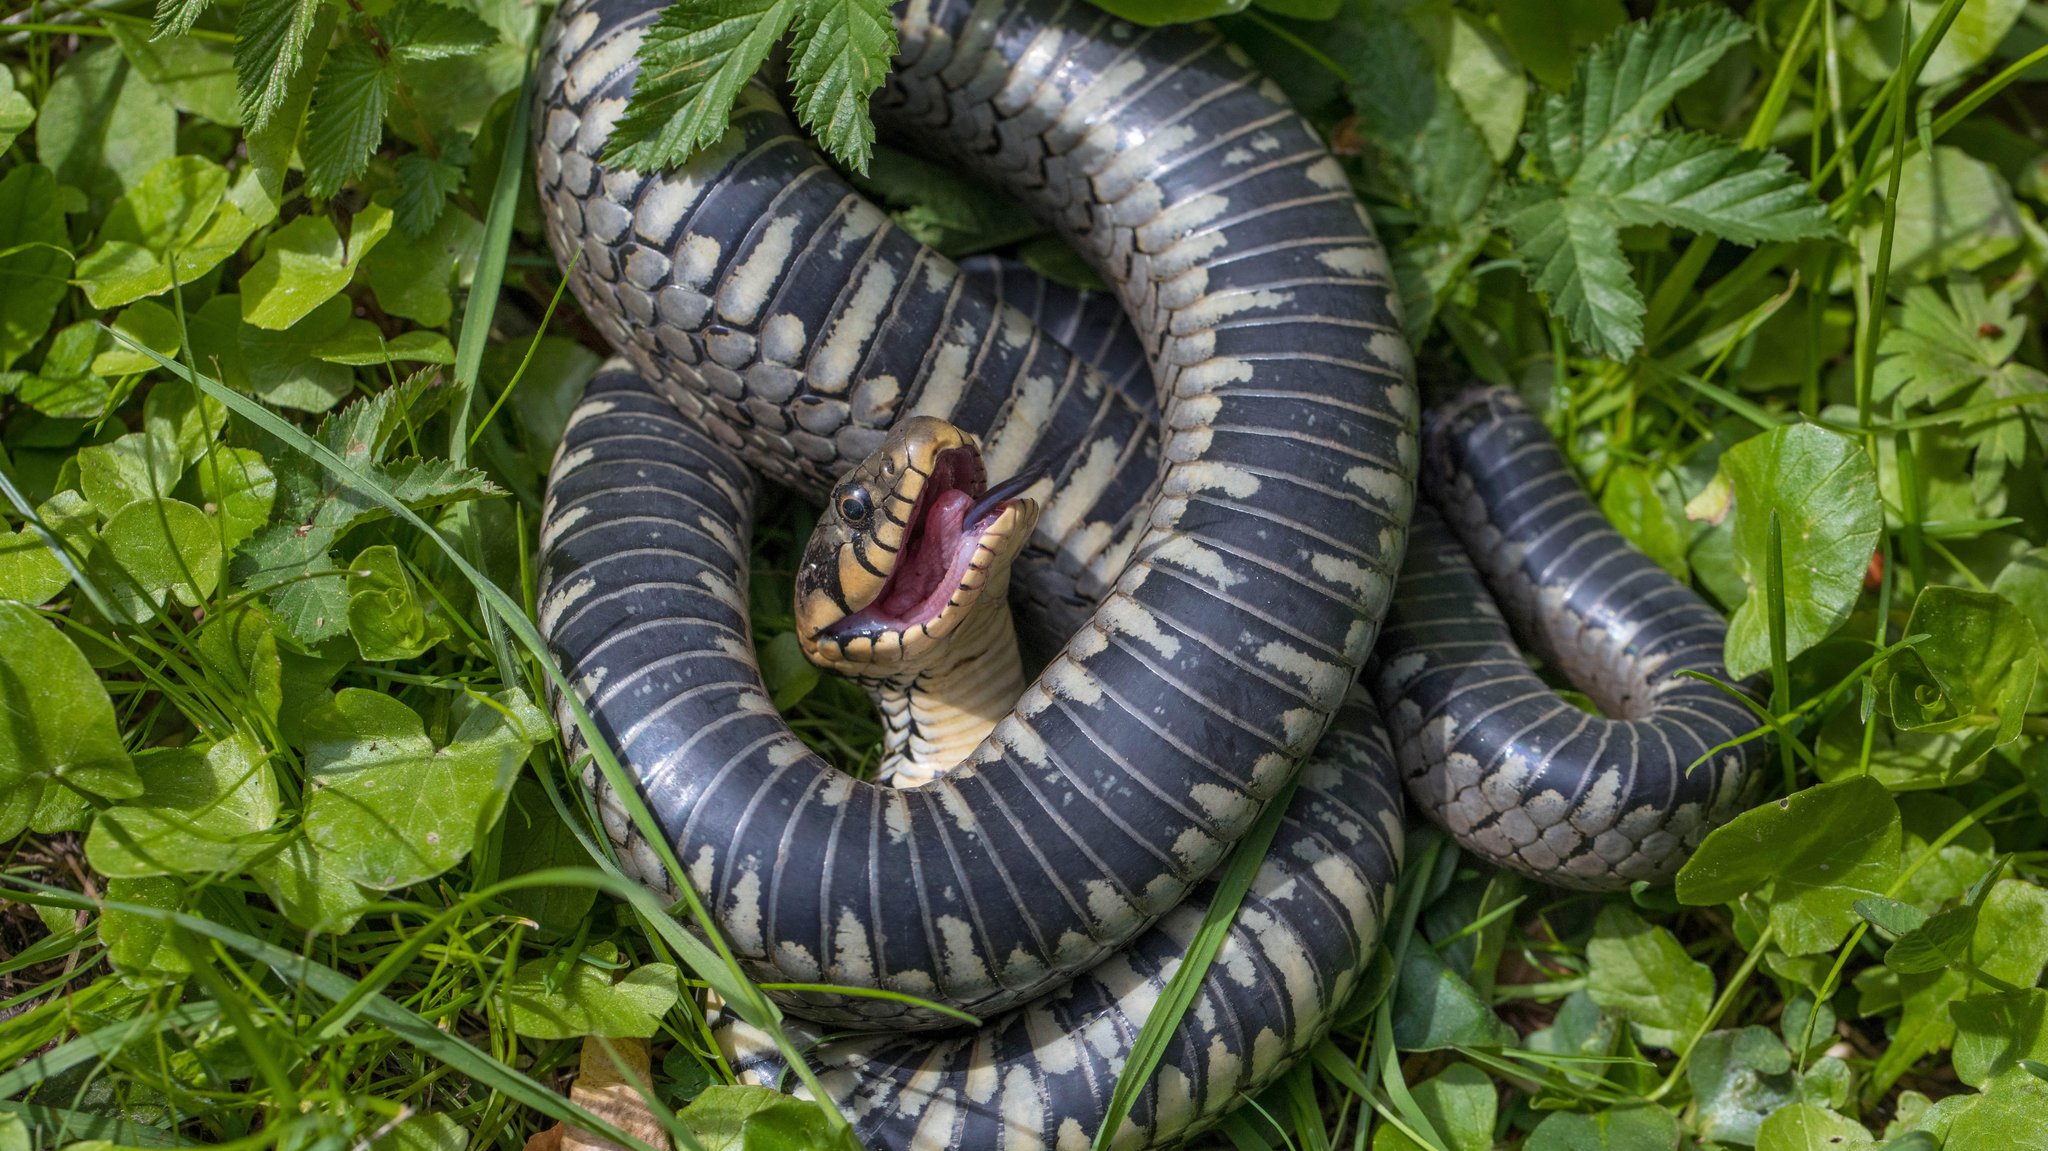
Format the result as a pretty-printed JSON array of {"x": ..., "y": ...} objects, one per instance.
[{"x": 995, "y": 497}]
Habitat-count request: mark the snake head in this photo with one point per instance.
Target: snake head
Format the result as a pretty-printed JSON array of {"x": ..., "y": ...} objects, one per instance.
[{"x": 912, "y": 544}]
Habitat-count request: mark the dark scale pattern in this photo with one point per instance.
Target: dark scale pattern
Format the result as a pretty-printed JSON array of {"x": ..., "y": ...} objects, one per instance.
[{"x": 1241, "y": 563}]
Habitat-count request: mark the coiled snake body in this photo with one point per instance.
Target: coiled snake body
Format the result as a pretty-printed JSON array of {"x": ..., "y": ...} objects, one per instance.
[{"x": 1222, "y": 561}]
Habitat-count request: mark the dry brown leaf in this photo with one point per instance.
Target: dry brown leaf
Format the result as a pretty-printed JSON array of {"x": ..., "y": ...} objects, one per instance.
[{"x": 609, "y": 1084}]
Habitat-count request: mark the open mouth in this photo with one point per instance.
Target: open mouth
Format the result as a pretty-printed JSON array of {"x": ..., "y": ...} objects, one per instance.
[{"x": 953, "y": 513}]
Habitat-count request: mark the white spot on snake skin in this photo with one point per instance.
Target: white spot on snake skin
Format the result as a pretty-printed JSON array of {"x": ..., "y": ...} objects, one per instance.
[
  {"x": 963, "y": 961},
  {"x": 1198, "y": 379},
  {"x": 896, "y": 816},
  {"x": 1388, "y": 489},
  {"x": 1179, "y": 220},
  {"x": 1353, "y": 261},
  {"x": 1184, "y": 553},
  {"x": 874, "y": 399},
  {"x": 1083, "y": 486},
  {"x": 746, "y": 287},
  {"x": 861, "y": 221},
  {"x": 1324, "y": 679},
  {"x": 1072, "y": 1137},
  {"x": 852, "y": 961},
  {"x": 1069, "y": 680},
  {"x": 1209, "y": 311},
  {"x": 722, "y": 591},
  {"x": 1328, "y": 174},
  {"x": 835, "y": 789},
  {"x": 1237, "y": 156},
  {"x": 743, "y": 911},
  {"x": 1203, "y": 476},
  {"x": 1391, "y": 349},
  {"x": 1011, "y": 445},
  {"x": 1019, "y": 737},
  {"x": 554, "y": 528},
  {"x": 662, "y": 207},
  {"x": 700, "y": 867},
  {"x": 1127, "y": 169},
  {"x": 561, "y": 600},
  {"x": 948, "y": 378},
  {"x": 1106, "y": 904},
  {"x": 797, "y": 962},
  {"x": 831, "y": 369},
  {"x": 1125, "y": 615},
  {"x": 782, "y": 338},
  {"x": 599, "y": 64},
  {"x": 1023, "y": 1110},
  {"x": 1338, "y": 877},
  {"x": 1268, "y": 1049},
  {"x": 1265, "y": 142},
  {"x": 787, "y": 751},
  {"x": 1220, "y": 803},
  {"x": 956, "y": 806},
  {"x": 981, "y": 1076},
  {"x": 1349, "y": 573},
  {"x": 1052, "y": 1044},
  {"x": 698, "y": 261},
  {"x": 1193, "y": 846},
  {"x": 1301, "y": 724},
  {"x": 575, "y": 34}
]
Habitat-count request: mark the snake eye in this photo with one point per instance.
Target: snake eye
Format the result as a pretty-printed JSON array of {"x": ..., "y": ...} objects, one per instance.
[{"x": 854, "y": 507}]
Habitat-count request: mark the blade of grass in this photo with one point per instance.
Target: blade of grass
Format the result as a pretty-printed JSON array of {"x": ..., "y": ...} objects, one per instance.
[{"x": 1179, "y": 993}]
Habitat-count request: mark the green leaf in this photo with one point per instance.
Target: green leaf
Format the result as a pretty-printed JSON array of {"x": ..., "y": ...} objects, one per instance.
[
  {"x": 1978, "y": 28},
  {"x": 694, "y": 60},
  {"x": 29, "y": 573},
  {"x": 1706, "y": 184},
  {"x": 238, "y": 489},
  {"x": 147, "y": 323},
  {"x": 1547, "y": 38},
  {"x": 304, "y": 264},
  {"x": 388, "y": 614},
  {"x": 728, "y": 1118},
  {"x": 1812, "y": 855},
  {"x": 347, "y": 118},
  {"x": 587, "y": 1002},
  {"x": 139, "y": 946},
  {"x": 788, "y": 674},
  {"x": 424, "y": 185},
  {"x": 65, "y": 386},
  {"x": 942, "y": 208},
  {"x": 1643, "y": 973},
  {"x": 1152, "y": 13},
  {"x": 174, "y": 412},
  {"x": 1632, "y": 502},
  {"x": 1622, "y": 87},
  {"x": 196, "y": 76},
  {"x": 1995, "y": 1032},
  {"x": 176, "y": 17},
  {"x": 1739, "y": 1077},
  {"x": 197, "y": 815},
  {"x": 34, "y": 259},
  {"x": 16, "y": 113},
  {"x": 270, "y": 43},
  {"x": 429, "y": 31},
  {"x": 1974, "y": 671},
  {"x": 103, "y": 126},
  {"x": 311, "y": 889},
  {"x": 1823, "y": 488},
  {"x": 281, "y": 367},
  {"x": 2012, "y": 1113},
  {"x": 414, "y": 279},
  {"x": 1570, "y": 247},
  {"x": 1622, "y": 1129},
  {"x": 1460, "y": 1103},
  {"x": 237, "y": 649},
  {"x": 1435, "y": 1008},
  {"x": 1806, "y": 1127},
  {"x": 361, "y": 344},
  {"x": 137, "y": 466},
  {"x": 387, "y": 807},
  {"x": 536, "y": 839},
  {"x": 1410, "y": 110},
  {"x": 841, "y": 53},
  {"x": 153, "y": 551},
  {"x": 56, "y": 721},
  {"x": 1954, "y": 213}
]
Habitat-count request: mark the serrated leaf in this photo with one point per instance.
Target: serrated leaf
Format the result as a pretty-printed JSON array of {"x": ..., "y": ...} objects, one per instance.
[
  {"x": 1623, "y": 86},
  {"x": 694, "y": 60},
  {"x": 1570, "y": 247},
  {"x": 270, "y": 42},
  {"x": 1823, "y": 488},
  {"x": 429, "y": 31},
  {"x": 1812, "y": 855},
  {"x": 1703, "y": 183},
  {"x": 839, "y": 56},
  {"x": 424, "y": 185},
  {"x": 346, "y": 122},
  {"x": 176, "y": 17}
]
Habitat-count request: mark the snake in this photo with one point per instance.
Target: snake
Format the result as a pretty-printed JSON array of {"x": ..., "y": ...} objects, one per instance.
[{"x": 1214, "y": 554}]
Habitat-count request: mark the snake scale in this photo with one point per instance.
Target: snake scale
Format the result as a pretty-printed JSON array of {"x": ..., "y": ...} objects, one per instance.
[{"x": 1221, "y": 552}]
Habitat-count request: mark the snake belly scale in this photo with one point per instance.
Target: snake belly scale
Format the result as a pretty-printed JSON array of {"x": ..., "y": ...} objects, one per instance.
[{"x": 1221, "y": 551}]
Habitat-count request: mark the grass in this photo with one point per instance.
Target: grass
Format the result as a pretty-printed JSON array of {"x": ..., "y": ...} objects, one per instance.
[{"x": 200, "y": 1005}]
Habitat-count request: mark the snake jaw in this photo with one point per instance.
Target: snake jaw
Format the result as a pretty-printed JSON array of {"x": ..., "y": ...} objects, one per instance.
[{"x": 887, "y": 591}]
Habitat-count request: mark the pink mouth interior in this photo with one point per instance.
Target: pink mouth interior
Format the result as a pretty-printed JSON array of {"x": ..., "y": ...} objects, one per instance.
[{"x": 936, "y": 551}]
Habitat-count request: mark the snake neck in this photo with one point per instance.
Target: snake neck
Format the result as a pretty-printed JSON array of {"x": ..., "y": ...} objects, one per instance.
[{"x": 934, "y": 717}]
